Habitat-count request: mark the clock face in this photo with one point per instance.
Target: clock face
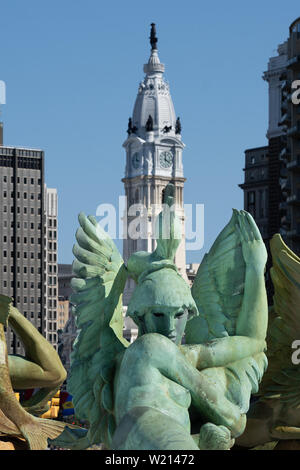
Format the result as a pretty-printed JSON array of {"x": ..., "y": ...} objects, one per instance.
[
  {"x": 166, "y": 159},
  {"x": 136, "y": 160}
]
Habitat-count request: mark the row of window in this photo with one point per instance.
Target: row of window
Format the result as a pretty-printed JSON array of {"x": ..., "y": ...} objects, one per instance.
[
  {"x": 24, "y": 196},
  {"x": 25, "y": 284},
  {"x": 52, "y": 222},
  {"x": 52, "y": 291},
  {"x": 12, "y": 239},
  {"x": 52, "y": 315},
  {"x": 52, "y": 338},
  {"x": 52, "y": 233},
  {"x": 52, "y": 268},
  {"x": 25, "y": 240},
  {"x": 12, "y": 209},
  {"x": 25, "y": 268},
  {"x": 25, "y": 225},
  {"x": 25, "y": 180},
  {"x": 254, "y": 159}
]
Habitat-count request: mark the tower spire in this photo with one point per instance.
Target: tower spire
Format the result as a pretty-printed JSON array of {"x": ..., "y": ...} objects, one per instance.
[{"x": 153, "y": 37}]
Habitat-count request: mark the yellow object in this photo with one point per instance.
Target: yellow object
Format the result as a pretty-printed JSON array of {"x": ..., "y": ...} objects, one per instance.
[{"x": 53, "y": 407}]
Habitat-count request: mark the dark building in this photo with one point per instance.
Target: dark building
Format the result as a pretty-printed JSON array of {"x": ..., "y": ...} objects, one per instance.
[
  {"x": 22, "y": 234},
  {"x": 290, "y": 154},
  {"x": 256, "y": 187},
  {"x": 26, "y": 253},
  {"x": 65, "y": 275}
]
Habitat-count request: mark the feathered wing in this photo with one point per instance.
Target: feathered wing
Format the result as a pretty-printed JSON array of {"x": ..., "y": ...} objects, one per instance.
[
  {"x": 282, "y": 379},
  {"x": 101, "y": 276},
  {"x": 218, "y": 291}
]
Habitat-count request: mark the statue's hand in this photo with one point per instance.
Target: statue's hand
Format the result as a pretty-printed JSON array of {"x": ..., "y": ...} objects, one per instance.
[
  {"x": 5, "y": 305},
  {"x": 254, "y": 250},
  {"x": 212, "y": 437}
]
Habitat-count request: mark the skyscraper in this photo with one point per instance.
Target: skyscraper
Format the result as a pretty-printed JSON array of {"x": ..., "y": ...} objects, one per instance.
[
  {"x": 283, "y": 151},
  {"x": 153, "y": 159},
  {"x": 25, "y": 251}
]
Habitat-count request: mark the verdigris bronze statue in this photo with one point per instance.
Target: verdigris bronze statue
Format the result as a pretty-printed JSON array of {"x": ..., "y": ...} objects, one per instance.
[
  {"x": 275, "y": 415},
  {"x": 157, "y": 393},
  {"x": 40, "y": 368}
]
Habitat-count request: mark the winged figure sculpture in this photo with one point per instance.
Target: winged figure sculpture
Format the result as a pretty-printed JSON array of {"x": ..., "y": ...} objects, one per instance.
[{"x": 158, "y": 393}]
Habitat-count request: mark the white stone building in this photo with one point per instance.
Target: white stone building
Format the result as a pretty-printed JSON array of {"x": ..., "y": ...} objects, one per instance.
[{"x": 153, "y": 159}]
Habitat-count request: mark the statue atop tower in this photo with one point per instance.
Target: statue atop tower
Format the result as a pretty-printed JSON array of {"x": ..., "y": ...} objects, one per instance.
[{"x": 153, "y": 38}]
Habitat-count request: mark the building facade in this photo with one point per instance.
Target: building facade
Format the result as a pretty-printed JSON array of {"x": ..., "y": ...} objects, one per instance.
[
  {"x": 153, "y": 159},
  {"x": 50, "y": 267},
  {"x": 256, "y": 187},
  {"x": 23, "y": 236},
  {"x": 290, "y": 153},
  {"x": 282, "y": 155}
]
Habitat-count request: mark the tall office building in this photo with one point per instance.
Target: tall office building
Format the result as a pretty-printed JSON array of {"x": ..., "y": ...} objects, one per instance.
[
  {"x": 153, "y": 158},
  {"x": 264, "y": 171},
  {"x": 281, "y": 164},
  {"x": 25, "y": 217},
  {"x": 290, "y": 154}
]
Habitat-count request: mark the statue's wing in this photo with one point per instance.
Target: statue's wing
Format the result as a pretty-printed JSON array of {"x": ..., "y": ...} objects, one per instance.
[
  {"x": 101, "y": 276},
  {"x": 218, "y": 288},
  {"x": 282, "y": 379}
]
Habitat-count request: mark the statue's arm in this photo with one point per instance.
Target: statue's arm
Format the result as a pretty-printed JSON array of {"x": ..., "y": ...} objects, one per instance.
[
  {"x": 222, "y": 351},
  {"x": 251, "y": 325},
  {"x": 153, "y": 356},
  {"x": 41, "y": 367}
]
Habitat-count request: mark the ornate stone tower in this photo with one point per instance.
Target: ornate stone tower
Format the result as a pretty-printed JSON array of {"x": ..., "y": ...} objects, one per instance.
[{"x": 153, "y": 159}]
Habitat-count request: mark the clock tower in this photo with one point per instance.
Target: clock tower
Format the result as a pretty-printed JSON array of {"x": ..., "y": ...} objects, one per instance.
[{"x": 153, "y": 159}]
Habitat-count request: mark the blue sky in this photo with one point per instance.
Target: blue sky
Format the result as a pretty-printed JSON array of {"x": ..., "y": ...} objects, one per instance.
[{"x": 72, "y": 70}]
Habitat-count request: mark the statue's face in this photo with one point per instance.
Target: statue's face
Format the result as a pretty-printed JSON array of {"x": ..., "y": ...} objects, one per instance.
[
  {"x": 162, "y": 303},
  {"x": 167, "y": 321}
]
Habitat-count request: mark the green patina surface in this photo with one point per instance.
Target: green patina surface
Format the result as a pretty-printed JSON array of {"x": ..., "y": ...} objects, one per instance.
[{"x": 157, "y": 393}]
